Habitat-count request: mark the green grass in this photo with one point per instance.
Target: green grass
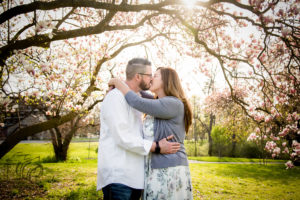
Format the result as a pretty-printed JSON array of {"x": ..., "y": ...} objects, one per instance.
[
  {"x": 78, "y": 152},
  {"x": 229, "y": 159},
  {"x": 76, "y": 178},
  {"x": 229, "y": 181}
]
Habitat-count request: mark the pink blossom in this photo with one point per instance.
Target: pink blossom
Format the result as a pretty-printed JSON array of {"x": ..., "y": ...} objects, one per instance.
[
  {"x": 268, "y": 19},
  {"x": 252, "y": 137},
  {"x": 284, "y": 144},
  {"x": 257, "y": 130},
  {"x": 45, "y": 68},
  {"x": 251, "y": 109},
  {"x": 29, "y": 69},
  {"x": 259, "y": 117},
  {"x": 289, "y": 164},
  {"x": 286, "y": 31},
  {"x": 296, "y": 116},
  {"x": 265, "y": 137},
  {"x": 268, "y": 119},
  {"x": 286, "y": 150},
  {"x": 270, "y": 145},
  {"x": 77, "y": 107},
  {"x": 284, "y": 132},
  {"x": 289, "y": 118},
  {"x": 280, "y": 12},
  {"x": 237, "y": 45},
  {"x": 292, "y": 91},
  {"x": 277, "y": 150},
  {"x": 296, "y": 147}
]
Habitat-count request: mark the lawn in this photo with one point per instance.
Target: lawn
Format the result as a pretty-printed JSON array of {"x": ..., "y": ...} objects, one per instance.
[{"x": 76, "y": 178}]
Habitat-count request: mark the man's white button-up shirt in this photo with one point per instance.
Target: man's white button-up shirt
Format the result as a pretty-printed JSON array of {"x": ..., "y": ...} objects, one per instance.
[{"x": 121, "y": 148}]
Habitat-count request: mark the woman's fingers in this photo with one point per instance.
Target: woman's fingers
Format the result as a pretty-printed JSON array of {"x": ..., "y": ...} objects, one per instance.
[{"x": 169, "y": 137}]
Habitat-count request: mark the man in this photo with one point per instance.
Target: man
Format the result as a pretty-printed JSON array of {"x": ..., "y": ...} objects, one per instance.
[{"x": 121, "y": 146}]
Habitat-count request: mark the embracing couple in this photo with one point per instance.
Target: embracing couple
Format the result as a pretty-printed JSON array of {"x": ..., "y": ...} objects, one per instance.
[{"x": 141, "y": 150}]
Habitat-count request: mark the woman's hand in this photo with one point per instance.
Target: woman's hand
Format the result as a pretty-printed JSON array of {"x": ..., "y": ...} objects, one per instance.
[{"x": 112, "y": 82}]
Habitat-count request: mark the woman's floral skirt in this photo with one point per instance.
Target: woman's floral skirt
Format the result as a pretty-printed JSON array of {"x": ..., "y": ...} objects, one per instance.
[{"x": 167, "y": 183}]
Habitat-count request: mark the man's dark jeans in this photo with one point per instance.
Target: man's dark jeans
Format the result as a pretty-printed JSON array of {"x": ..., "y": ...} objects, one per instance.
[{"x": 117, "y": 191}]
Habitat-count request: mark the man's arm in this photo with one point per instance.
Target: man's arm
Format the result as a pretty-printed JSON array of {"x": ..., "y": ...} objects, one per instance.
[{"x": 114, "y": 112}]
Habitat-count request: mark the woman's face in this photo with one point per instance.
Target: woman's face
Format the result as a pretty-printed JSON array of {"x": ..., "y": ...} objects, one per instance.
[{"x": 157, "y": 83}]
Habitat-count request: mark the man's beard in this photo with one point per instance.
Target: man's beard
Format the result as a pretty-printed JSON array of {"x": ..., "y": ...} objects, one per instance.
[{"x": 144, "y": 86}]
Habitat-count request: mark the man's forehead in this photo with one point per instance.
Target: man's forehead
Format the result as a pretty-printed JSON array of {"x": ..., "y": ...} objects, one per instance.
[{"x": 148, "y": 67}]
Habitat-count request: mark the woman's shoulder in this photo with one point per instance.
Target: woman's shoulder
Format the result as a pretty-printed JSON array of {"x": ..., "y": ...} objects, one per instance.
[{"x": 172, "y": 100}]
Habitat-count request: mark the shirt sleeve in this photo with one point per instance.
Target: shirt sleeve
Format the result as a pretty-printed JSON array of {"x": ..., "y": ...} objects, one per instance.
[
  {"x": 164, "y": 108},
  {"x": 115, "y": 114}
]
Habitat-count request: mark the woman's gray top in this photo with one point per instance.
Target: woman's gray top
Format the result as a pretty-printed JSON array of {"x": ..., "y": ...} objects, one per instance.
[{"x": 169, "y": 119}]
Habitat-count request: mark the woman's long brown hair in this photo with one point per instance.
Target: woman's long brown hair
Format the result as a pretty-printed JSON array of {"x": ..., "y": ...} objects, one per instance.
[{"x": 172, "y": 87}]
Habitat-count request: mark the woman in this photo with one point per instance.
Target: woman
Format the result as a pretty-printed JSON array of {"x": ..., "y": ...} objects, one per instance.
[{"x": 166, "y": 176}]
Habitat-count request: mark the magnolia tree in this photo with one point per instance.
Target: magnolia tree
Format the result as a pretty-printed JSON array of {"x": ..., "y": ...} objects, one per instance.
[
  {"x": 65, "y": 77},
  {"x": 267, "y": 62},
  {"x": 213, "y": 32}
]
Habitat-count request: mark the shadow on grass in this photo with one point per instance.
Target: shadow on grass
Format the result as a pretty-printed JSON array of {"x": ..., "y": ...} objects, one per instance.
[{"x": 88, "y": 193}]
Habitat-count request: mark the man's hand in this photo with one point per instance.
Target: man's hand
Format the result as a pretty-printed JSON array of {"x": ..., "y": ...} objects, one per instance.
[{"x": 168, "y": 147}]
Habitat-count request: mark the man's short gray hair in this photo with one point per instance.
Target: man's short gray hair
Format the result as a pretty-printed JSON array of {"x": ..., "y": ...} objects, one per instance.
[{"x": 135, "y": 66}]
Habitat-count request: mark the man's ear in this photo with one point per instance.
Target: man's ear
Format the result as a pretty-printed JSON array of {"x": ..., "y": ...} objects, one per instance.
[{"x": 137, "y": 77}]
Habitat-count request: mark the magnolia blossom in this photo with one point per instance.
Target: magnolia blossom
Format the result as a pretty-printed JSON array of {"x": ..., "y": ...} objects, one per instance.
[
  {"x": 289, "y": 164},
  {"x": 296, "y": 116},
  {"x": 289, "y": 118},
  {"x": 284, "y": 144},
  {"x": 29, "y": 69},
  {"x": 4, "y": 101},
  {"x": 268, "y": 19},
  {"x": 259, "y": 117},
  {"x": 284, "y": 132},
  {"x": 286, "y": 31},
  {"x": 2, "y": 124},
  {"x": 268, "y": 119},
  {"x": 77, "y": 107},
  {"x": 296, "y": 147},
  {"x": 270, "y": 145},
  {"x": 293, "y": 155},
  {"x": 286, "y": 150},
  {"x": 45, "y": 68},
  {"x": 277, "y": 151},
  {"x": 48, "y": 113},
  {"x": 44, "y": 25},
  {"x": 252, "y": 137},
  {"x": 16, "y": 106}
]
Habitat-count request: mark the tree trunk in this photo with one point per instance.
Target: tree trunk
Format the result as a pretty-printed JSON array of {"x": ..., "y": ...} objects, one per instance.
[
  {"x": 233, "y": 146},
  {"x": 210, "y": 141},
  {"x": 14, "y": 138},
  {"x": 61, "y": 145},
  {"x": 61, "y": 154}
]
